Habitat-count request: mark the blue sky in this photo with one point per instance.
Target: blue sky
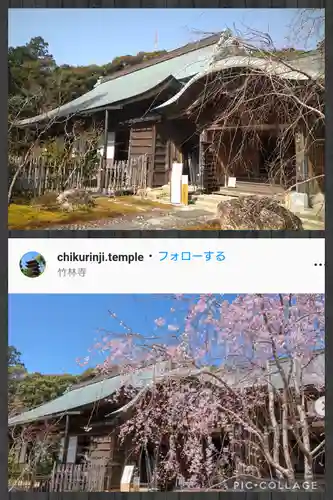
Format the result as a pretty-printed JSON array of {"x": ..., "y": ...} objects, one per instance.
[
  {"x": 96, "y": 36},
  {"x": 51, "y": 331}
]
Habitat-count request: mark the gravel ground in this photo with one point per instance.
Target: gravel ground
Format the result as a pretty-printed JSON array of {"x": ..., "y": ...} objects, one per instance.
[{"x": 176, "y": 219}]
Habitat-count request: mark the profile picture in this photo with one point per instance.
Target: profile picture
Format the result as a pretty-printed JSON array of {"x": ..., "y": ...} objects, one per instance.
[{"x": 32, "y": 264}]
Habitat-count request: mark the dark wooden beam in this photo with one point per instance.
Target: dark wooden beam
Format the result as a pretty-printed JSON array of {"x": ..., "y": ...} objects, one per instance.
[
  {"x": 262, "y": 127},
  {"x": 134, "y": 121},
  {"x": 90, "y": 112}
]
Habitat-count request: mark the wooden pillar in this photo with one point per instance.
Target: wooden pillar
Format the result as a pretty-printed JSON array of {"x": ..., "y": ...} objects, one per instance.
[
  {"x": 106, "y": 127},
  {"x": 208, "y": 164},
  {"x": 301, "y": 163},
  {"x": 66, "y": 440},
  {"x": 151, "y": 160},
  {"x": 103, "y": 164},
  {"x": 202, "y": 145},
  {"x": 168, "y": 161}
]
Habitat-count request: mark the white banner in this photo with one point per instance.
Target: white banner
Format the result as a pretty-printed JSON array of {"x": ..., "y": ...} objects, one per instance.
[
  {"x": 166, "y": 266},
  {"x": 176, "y": 183}
]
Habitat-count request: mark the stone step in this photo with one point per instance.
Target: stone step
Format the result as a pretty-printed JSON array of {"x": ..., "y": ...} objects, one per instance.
[
  {"x": 207, "y": 202},
  {"x": 313, "y": 225},
  {"x": 310, "y": 215},
  {"x": 246, "y": 191},
  {"x": 211, "y": 198},
  {"x": 215, "y": 199}
]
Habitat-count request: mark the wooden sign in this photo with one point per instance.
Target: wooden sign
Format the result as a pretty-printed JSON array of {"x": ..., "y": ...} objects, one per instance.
[
  {"x": 126, "y": 478},
  {"x": 185, "y": 189},
  {"x": 319, "y": 406},
  {"x": 104, "y": 439},
  {"x": 72, "y": 448},
  {"x": 231, "y": 182}
]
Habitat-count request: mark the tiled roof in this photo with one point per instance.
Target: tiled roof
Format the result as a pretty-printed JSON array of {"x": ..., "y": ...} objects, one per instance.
[
  {"x": 89, "y": 394},
  {"x": 312, "y": 374},
  {"x": 133, "y": 84}
]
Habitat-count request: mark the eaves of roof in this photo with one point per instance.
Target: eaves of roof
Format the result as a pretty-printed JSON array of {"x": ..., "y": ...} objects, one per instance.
[{"x": 302, "y": 68}]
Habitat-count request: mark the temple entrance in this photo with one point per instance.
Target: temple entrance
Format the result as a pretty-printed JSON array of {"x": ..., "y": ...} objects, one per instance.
[{"x": 268, "y": 157}]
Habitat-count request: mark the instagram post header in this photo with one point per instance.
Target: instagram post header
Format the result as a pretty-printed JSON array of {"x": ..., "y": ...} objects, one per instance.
[{"x": 165, "y": 266}]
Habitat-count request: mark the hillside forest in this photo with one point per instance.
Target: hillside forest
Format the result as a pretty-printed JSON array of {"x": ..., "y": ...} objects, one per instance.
[
  {"x": 28, "y": 390},
  {"x": 37, "y": 83}
]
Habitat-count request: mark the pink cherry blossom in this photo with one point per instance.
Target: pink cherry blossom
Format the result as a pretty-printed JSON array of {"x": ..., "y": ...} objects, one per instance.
[{"x": 222, "y": 358}]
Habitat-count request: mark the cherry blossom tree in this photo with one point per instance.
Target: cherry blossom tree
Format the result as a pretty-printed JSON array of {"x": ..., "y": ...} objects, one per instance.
[
  {"x": 231, "y": 392},
  {"x": 256, "y": 84}
]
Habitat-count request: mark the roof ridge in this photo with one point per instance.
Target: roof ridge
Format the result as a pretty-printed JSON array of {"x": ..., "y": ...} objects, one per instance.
[
  {"x": 93, "y": 380},
  {"x": 184, "y": 49},
  {"x": 96, "y": 379}
]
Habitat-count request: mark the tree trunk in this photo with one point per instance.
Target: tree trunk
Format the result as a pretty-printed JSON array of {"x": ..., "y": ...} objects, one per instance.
[
  {"x": 285, "y": 440},
  {"x": 275, "y": 425}
]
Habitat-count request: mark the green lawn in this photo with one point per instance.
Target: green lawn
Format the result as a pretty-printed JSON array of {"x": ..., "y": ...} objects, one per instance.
[
  {"x": 208, "y": 226},
  {"x": 37, "y": 216}
]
